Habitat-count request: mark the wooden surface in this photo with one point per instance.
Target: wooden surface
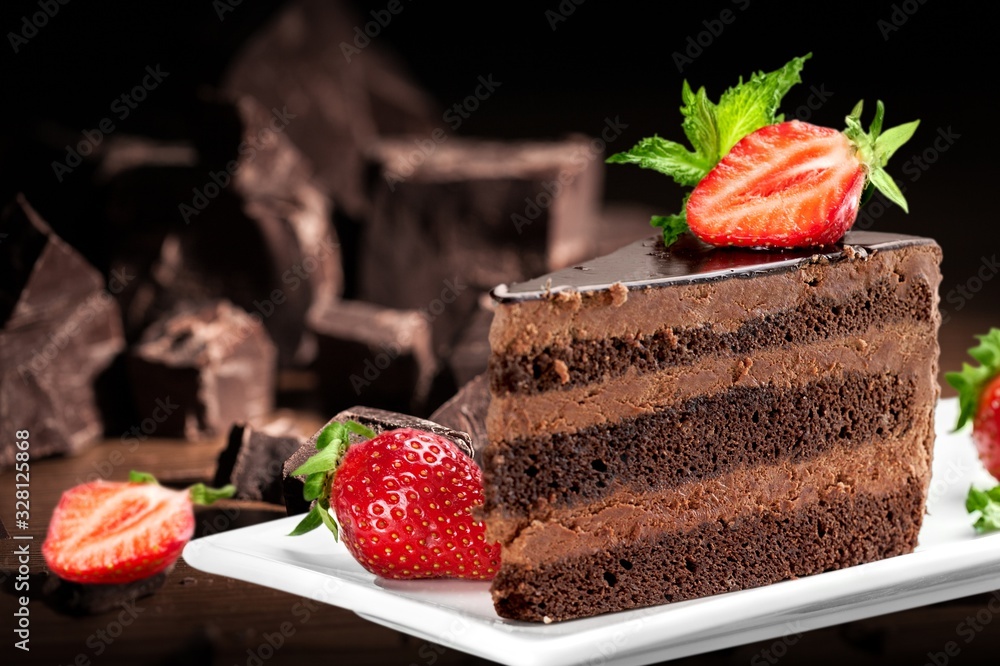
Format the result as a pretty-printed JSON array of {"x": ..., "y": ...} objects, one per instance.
[{"x": 197, "y": 618}]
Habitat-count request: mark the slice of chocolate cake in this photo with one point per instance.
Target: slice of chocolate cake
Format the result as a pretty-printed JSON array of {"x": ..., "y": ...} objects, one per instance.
[{"x": 674, "y": 424}]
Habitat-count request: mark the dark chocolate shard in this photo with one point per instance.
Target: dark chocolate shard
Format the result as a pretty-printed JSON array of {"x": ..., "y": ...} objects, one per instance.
[
  {"x": 236, "y": 215},
  {"x": 337, "y": 102},
  {"x": 4, "y": 534},
  {"x": 647, "y": 263},
  {"x": 253, "y": 459},
  {"x": 466, "y": 412},
  {"x": 470, "y": 215},
  {"x": 372, "y": 353},
  {"x": 78, "y": 599},
  {"x": 378, "y": 420},
  {"x": 60, "y": 329},
  {"x": 201, "y": 368},
  {"x": 471, "y": 352}
]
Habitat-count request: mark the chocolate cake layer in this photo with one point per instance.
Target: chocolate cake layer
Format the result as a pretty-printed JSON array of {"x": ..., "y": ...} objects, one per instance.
[
  {"x": 585, "y": 361},
  {"x": 908, "y": 349},
  {"x": 631, "y": 307},
  {"x": 746, "y": 426},
  {"x": 748, "y": 551}
]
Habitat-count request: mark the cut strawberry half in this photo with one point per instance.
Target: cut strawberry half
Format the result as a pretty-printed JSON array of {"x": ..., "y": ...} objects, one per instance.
[
  {"x": 787, "y": 185},
  {"x": 108, "y": 532},
  {"x": 794, "y": 184}
]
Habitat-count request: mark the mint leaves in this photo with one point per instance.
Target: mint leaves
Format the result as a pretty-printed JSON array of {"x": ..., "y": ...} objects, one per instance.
[
  {"x": 876, "y": 147},
  {"x": 712, "y": 129},
  {"x": 987, "y": 504},
  {"x": 319, "y": 470},
  {"x": 971, "y": 381}
]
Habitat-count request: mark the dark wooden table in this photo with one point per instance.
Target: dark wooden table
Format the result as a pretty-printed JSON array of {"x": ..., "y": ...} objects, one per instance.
[{"x": 198, "y": 618}]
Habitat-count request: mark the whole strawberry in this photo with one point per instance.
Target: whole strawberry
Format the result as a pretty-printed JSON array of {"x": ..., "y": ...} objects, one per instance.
[
  {"x": 979, "y": 398},
  {"x": 110, "y": 532},
  {"x": 403, "y": 500}
]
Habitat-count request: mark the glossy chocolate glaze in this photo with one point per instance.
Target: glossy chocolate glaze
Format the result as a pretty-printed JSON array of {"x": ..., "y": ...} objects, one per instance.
[{"x": 647, "y": 263}]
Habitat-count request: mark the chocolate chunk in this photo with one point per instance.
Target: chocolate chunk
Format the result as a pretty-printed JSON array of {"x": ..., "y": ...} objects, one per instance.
[
  {"x": 450, "y": 224},
  {"x": 60, "y": 328},
  {"x": 376, "y": 354},
  {"x": 378, "y": 420},
  {"x": 235, "y": 215},
  {"x": 466, "y": 412},
  {"x": 471, "y": 352},
  {"x": 252, "y": 461},
  {"x": 336, "y": 104},
  {"x": 201, "y": 368},
  {"x": 85, "y": 599},
  {"x": 4, "y": 534}
]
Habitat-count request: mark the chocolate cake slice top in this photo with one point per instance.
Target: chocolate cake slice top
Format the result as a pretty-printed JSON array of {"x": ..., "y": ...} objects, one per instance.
[{"x": 647, "y": 263}]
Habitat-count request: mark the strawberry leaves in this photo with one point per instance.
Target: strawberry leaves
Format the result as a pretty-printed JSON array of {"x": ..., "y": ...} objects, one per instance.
[
  {"x": 199, "y": 493},
  {"x": 875, "y": 147},
  {"x": 712, "y": 130},
  {"x": 319, "y": 470},
  {"x": 987, "y": 504},
  {"x": 972, "y": 379}
]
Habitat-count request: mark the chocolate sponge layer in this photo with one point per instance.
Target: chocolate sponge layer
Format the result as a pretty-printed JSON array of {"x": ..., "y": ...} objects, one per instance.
[
  {"x": 745, "y": 426},
  {"x": 584, "y": 361},
  {"x": 722, "y": 556}
]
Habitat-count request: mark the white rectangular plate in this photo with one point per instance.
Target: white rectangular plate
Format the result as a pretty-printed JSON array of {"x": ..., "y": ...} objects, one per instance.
[{"x": 950, "y": 562}]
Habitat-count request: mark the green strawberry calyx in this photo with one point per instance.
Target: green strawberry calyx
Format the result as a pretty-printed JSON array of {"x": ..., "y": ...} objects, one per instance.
[
  {"x": 985, "y": 503},
  {"x": 320, "y": 470},
  {"x": 875, "y": 147},
  {"x": 199, "y": 493},
  {"x": 972, "y": 379}
]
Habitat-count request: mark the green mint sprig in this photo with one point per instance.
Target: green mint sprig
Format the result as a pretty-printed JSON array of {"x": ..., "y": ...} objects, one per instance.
[
  {"x": 712, "y": 130},
  {"x": 971, "y": 380}
]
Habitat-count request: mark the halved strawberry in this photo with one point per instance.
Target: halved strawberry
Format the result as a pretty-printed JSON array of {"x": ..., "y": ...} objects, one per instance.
[
  {"x": 107, "y": 532},
  {"x": 787, "y": 185},
  {"x": 794, "y": 184}
]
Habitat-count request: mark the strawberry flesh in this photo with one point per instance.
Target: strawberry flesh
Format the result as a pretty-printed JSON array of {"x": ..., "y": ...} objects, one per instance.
[
  {"x": 986, "y": 427},
  {"x": 109, "y": 532},
  {"x": 404, "y": 503},
  {"x": 792, "y": 184}
]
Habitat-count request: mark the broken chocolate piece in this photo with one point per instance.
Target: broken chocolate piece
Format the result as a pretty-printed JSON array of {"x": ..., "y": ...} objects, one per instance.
[
  {"x": 378, "y": 420},
  {"x": 372, "y": 353},
  {"x": 336, "y": 105},
  {"x": 86, "y": 599},
  {"x": 60, "y": 328},
  {"x": 471, "y": 352},
  {"x": 203, "y": 367},
  {"x": 253, "y": 459},
  {"x": 470, "y": 215},
  {"x": 180, "y": 211},
  {"x": 4, "y": 534},
  {"x": 466, "y": 412}
]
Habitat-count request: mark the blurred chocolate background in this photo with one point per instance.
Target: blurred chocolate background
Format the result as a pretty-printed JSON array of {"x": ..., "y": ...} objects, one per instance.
[{"x": 228, "y": 211}]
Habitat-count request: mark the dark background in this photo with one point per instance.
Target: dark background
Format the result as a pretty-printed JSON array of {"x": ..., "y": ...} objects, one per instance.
[{"x": 932, "y": 61}]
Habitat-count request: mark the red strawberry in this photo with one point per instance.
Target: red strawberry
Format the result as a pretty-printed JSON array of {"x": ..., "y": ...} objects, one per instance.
[
  {"x": 979, "y": 398},
  {"x": 787, "y": 185},
  {"x": 404, "y": 502},
  {"x": 116, "y": 532},
  {"x": 986, "y": 427},
  {"x": 794, "y": 184}
]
